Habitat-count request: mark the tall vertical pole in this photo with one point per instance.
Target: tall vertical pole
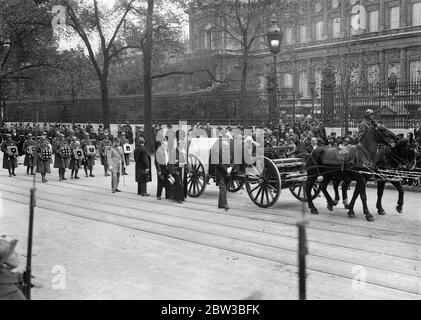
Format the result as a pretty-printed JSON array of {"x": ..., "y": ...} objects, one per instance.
[
  {"x": 312, "y": 103},
  {"x": 302, "y": 252},
  {"x": 293, "y": 106},
  {"x": 73, "y": 101},
  {"x": 32, "y": 203},
  {"x": 147, "y": 75},
  {"x": 275, "y": 84}
]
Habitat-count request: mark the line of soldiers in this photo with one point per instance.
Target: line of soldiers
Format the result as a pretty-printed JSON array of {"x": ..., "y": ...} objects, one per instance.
[{"x": 68, "y": 152}]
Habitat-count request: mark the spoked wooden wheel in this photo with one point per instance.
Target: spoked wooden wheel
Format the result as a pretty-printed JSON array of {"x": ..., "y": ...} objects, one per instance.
[
  {"x": 263, "y": 183},
  {"x": 299, "y": 191},
  {"x": 235, "y": 184},
  {"x": 196, "y": 176}
]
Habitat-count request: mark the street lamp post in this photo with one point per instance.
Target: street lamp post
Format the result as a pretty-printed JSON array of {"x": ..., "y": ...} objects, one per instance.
[
  {"x": 274, "y": 37},
  {"x": 313, "y": 91}
]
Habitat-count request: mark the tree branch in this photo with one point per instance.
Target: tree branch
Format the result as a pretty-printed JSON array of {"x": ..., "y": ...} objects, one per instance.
[{"x": 120, "y": 23}]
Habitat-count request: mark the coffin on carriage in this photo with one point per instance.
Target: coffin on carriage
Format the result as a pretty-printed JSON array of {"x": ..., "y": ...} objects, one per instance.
[{"x": 264, "y": 178}]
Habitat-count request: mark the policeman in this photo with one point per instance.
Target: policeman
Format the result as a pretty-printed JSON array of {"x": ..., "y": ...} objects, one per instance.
[{"x": 366, "y": 124}]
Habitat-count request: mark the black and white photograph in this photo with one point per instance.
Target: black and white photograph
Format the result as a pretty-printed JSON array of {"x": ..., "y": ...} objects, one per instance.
[{"x": 194, "y": 151}]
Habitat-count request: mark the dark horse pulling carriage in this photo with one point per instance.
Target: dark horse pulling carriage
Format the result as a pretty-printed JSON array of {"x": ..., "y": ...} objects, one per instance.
[
  {"x": 263, "y": 175},
  {"x": 378, "y": 156}
]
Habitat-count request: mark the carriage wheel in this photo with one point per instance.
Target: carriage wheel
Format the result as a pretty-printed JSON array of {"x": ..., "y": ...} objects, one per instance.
[
  {"x": 235, "y": 184},
  {"x": 298, "y": 191},
  {"x": 196, "y": 176},
  {"x": 263, "y": 183}
]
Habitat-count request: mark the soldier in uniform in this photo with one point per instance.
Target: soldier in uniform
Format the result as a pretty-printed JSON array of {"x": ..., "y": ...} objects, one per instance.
[
  {"x": 10, "y": 162},
  {"x": 103, "y": 146},
  {"x": 29, "y": 156},
  {"x": 123, "y": 141},
  {"x": 61, "y": 162},
  {"x": 366, "y": 124},
  {"x": 43, "y": 163},
  {"x": 89, "y": 160},
  {"x": 115, "y": 158},
  {"x": 75, "y": 163},
  {"x": 11, "y": 283}
]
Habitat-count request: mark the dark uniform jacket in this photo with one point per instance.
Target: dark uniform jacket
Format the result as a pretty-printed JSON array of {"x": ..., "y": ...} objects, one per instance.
[
  {"x": 143, "y": 162},
  {"x": 365, "y": 125},
  {"x": 11, "y": 285}
]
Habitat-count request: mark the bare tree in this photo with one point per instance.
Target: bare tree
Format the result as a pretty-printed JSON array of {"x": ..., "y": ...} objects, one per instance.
[
  {"x": 87, "y": 20},
  {"x": 244, "y": 23}
]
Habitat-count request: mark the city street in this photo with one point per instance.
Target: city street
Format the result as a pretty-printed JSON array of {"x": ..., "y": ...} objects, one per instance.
[{"x": 92, "y": 244}]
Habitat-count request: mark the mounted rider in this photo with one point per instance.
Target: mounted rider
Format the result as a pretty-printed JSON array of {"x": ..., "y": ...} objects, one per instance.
[{"x": 366, "y": 124}]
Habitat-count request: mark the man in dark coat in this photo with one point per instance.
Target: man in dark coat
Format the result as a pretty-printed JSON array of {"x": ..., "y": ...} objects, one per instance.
[
  {"x": 161, "y": 164},
  {"x": 222, "y": 171},
  {"x": 143, "y": 168}
]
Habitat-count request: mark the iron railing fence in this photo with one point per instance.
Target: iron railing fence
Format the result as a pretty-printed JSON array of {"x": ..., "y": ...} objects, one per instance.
[{"x": 396, "y": 107}]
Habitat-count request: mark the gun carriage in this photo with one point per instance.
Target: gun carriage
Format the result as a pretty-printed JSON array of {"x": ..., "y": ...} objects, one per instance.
[{"x": 264, "y": 178}]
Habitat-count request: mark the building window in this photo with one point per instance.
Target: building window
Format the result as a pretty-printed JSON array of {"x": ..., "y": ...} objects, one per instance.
[
  {"x": 355, "y": 74},
  {"x": 373, "y": 72},
  {"x": 302, "y": 84},
  {"x": 208, "y": 39},
  {"x": 318, "y": 80},
  {"x": 373, "y": 21},
  {"x": 394, "y": 67},
  {"x": 319, "y": 30},
  {"x": 416, "y": 14},
  {"x": 415, "y": 70},
  {"x": 288, "y": 80},
  {"x": 394, "y": 17},
  {"x": 303, "y": 33},
  {"x": 336, "y": 31},
  {"x": 288, "y": 36}
]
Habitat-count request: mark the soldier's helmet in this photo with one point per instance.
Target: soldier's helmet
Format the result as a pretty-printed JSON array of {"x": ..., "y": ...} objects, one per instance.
[
  {"x": 6, "y": 249},
  {"x": 368, "y": 112}
]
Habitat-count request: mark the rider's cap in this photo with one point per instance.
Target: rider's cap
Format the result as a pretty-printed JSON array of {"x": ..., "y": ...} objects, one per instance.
[{"x": 368, "y": 112}]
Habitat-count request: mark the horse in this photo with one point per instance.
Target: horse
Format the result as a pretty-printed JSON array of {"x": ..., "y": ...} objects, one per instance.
[
  {"x": 350, "y": 164},
  {"x": 402, "y": 154}
]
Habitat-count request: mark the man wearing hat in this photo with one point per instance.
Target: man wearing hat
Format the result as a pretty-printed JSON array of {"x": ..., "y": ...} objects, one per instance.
[
  {"x": 10, "y": 162},
  {"x": 366, "y": 124},
  {"x": 88, "y": 160},
  {"x": 11, "y": 283},
  {"x": 29, "y": 155},
  {"x": 103, "y": 147},
  {"x": 143, "y": 168},
  {"x": 43, "y": 163},
  {"x": 123, "y": 141},
  {"x": 75, "y": 162},
  {"x": 61, "y": 162},
  {"x": 115, "y": 158}
]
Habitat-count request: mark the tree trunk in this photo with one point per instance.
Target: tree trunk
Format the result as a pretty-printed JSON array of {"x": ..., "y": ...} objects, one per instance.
[
  {"x": 243, "y": 89},
  {"x": 105, "y": 103},
  {"x": 147, "y": 70}
]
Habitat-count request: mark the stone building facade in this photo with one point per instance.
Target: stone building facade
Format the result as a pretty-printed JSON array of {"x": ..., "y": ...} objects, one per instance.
[{"x": 375, "y": 37}]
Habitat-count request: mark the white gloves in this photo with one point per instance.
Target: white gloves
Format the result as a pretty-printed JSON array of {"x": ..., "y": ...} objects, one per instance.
[{"x": 229, "y": 170}]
